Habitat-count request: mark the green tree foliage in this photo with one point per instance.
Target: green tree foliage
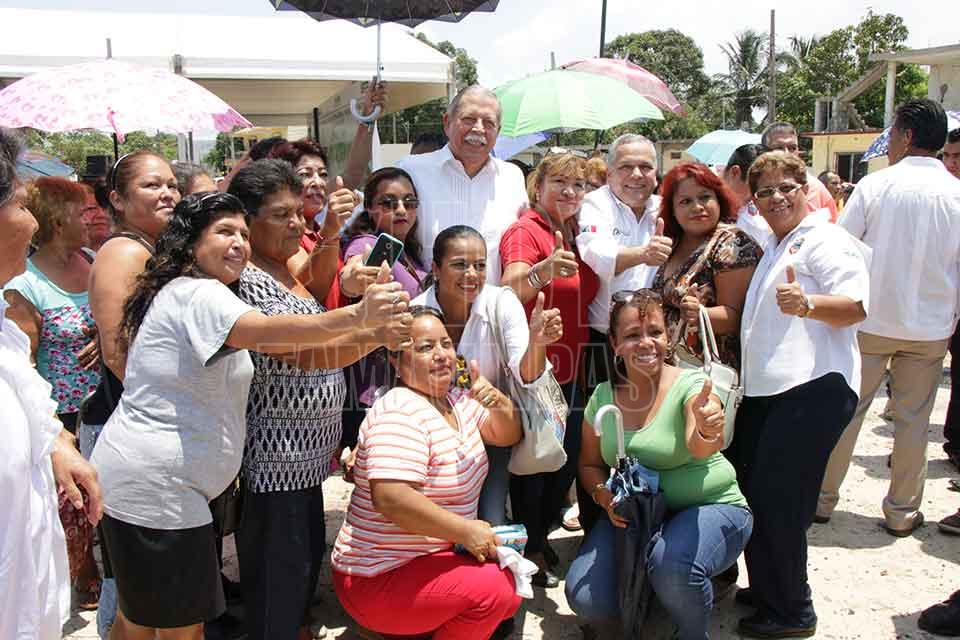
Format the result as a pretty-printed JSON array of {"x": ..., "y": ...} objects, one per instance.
[
  {"x": 217, "y": 156},
  {"x": 746, "y": 78},
  {"x": 73, "y": 147},
  {"x": 428, "y": 117},
  {"x": 676, "y": 59},
  {"x": 828, "y": 65}
]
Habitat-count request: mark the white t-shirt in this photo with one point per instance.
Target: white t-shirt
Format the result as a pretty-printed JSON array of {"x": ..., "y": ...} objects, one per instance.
[
  {"x": 34, "y": 573},
  {"x": 489, "y": 202},
  {"x": 909, "y": 214},
  {"x": 783, "y": 351},
  {"x": 176, "y": 438},
  {"x": 607, "y": 225}
]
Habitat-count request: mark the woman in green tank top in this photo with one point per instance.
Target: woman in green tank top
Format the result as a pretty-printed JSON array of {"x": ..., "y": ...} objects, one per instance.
[{"x": 673, "y": 425}]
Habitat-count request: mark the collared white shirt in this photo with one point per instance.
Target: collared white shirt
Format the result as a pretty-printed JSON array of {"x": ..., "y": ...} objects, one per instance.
[
  {"x": 477, "y": 341},
  {"x": 34, "y": 573},
  {"x": 753, "y": 224},
  {"x": 783, "y": 351},
  {"x": 489, "y": 202},
  {"x": 909, "y": 214},
  {"x": 607, "y": 225}
]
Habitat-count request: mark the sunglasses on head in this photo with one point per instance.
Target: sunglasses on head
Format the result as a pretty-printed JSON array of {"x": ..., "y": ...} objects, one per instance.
[
  {"x": 392, "y": 203},
  {"x": 637, "y": 295}
]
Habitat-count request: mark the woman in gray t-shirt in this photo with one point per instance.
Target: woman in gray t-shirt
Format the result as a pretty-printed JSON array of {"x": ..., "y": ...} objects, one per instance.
[{"x": 176, "y": 438}]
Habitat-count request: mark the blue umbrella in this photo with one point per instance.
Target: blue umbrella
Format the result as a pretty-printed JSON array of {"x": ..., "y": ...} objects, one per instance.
[
  {"x": 882, "y": 143},
  {"x": 507, "y": 147},
  {"x": 716, "y": 147},
  {"x": 34, "y": 164}
]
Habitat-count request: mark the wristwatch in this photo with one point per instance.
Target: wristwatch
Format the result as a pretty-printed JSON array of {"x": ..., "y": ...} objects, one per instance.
[
  {"x": 809, "y": 304},
  {"x": 597, "y": 487}
]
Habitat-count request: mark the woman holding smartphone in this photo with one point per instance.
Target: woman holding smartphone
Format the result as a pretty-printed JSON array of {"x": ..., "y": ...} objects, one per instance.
[{"x": 390, "y": 207}]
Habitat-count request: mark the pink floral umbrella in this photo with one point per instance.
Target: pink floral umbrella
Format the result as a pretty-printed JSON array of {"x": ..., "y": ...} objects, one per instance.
[
  {"x": 639, "y": 79},
  {"x": 115, "y": 97}
]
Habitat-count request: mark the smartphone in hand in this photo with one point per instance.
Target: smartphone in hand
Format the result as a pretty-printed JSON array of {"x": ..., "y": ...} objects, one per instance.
[{"x": 386, "y": 248}]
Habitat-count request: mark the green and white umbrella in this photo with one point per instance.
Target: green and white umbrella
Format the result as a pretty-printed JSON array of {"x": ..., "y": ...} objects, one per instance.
[{"x": 562, "y": 100}]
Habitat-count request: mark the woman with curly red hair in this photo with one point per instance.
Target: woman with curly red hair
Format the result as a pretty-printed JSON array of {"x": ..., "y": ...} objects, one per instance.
[{"x": 712, "y": 260}]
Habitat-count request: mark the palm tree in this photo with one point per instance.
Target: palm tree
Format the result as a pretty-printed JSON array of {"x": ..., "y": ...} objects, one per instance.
[
  {"x": 745, "y": 80},
  {"x": 796, "y": 58}
]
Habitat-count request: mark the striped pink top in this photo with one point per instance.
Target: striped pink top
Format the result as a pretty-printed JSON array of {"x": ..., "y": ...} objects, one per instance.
[{"x": 405, "y": 438}]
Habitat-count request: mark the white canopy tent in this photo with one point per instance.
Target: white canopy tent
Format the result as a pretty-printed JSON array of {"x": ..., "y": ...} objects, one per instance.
[{"x": 274, "y": 69}]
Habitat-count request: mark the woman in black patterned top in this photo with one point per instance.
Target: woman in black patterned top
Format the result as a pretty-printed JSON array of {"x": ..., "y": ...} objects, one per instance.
[
  {"x": 711, "y": 264},
  {"x": 293, "y": 416}
]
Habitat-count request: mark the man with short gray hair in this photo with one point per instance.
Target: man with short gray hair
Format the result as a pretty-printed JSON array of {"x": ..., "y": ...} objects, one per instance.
[
  {"x": 620, "y": 237},
  {"x": 783, "y": 136},
  {"x": 462, "y": 183}
]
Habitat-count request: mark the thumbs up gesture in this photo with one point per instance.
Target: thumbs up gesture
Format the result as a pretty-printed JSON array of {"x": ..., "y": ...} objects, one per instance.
[
  {"x": 482, "y": 391},
  {"x": 790, "y": 296},
  {"x": 561, "y": 263},
  {"x": 690, "y": 305},
  {"x": 546, "y": 325},
  {"x": 340, "y": 207},
  {"x": 708, "y": 413},
  {"x": 659, "y": 248}
]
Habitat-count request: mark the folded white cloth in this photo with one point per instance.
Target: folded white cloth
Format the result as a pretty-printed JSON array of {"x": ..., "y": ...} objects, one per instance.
[{"x": 522, "y": 569}]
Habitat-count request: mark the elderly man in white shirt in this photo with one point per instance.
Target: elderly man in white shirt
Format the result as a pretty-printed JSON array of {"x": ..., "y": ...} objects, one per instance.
[
  {"x": 620, "y": 236},
  {"x": 909, "y": 214},
  {"x": 462, "y": 184}
]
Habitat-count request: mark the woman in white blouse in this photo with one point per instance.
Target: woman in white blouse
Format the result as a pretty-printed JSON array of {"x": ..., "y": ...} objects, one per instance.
[
  {"x": 469, "y": 305},
  {"x": 800, "y": 370},
  {"x": 38, "y": 455}
]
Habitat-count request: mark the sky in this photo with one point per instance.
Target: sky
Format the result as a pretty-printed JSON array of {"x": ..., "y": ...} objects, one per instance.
[{"x": 519, "y": 37}]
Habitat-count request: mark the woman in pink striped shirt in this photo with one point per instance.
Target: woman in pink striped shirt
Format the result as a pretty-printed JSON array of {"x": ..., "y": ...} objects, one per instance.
[{"x": 419, "y": 468}]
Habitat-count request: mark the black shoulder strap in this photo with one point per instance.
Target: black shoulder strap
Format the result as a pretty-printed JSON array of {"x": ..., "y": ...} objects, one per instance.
[{"x": 132, "y": 236}]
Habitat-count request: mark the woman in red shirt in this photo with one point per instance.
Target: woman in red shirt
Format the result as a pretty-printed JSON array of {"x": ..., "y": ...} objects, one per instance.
[{"x": 538, "y": 253}]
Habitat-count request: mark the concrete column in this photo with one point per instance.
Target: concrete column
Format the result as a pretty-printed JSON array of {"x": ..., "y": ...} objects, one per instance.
[{"x": 888, "y": 102}]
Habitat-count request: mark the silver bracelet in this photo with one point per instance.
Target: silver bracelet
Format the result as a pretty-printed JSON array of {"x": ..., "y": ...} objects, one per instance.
[{"x": 534, "y": 280}]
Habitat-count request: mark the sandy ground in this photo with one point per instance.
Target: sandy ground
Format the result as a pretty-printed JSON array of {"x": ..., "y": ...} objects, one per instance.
[{"x": 866, "y": 583}]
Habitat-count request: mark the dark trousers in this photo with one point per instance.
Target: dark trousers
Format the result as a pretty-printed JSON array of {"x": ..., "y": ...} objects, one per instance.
[
  {"x": 280, "y": 547},
  {"x": 537, "y": 499},
  {"x": 951, "y": 426},
  {"x": 780, "y": 452},
  {"x": 596, "y": 359}
]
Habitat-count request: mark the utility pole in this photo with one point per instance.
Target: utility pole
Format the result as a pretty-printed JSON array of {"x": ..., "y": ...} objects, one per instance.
[
  {"x": 603, "y": 36},
  {"x": 772, "y": 70}
]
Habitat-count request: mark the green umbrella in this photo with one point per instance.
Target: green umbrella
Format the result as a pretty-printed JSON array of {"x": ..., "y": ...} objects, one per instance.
[{"x": 569, "y": 100}]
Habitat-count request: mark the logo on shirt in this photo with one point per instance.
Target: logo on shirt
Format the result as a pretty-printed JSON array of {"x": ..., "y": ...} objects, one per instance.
[
  {"x": 796, "y": 246},
  {"x": 590, "y": 228}
]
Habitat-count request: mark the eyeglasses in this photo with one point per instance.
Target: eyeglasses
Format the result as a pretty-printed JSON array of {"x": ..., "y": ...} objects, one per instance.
[
  {"x": 392, "y": 203},
  {"x": 785, "y": 190},
  {"x": 637, "y": 295}
]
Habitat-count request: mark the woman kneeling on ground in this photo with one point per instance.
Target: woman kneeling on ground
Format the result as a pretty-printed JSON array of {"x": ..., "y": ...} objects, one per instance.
[
  {"x": 673, "y": 425},
  {"x": 419, "y": 468}
]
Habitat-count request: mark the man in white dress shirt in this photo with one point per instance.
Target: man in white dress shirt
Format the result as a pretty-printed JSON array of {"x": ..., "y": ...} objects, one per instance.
[
  {"x": 909, "y": 214},
  {"x": 462, "y": 183}
]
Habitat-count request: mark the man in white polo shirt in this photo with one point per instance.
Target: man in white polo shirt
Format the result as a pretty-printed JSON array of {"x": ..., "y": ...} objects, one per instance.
[
  {"x": 462, "y": 183},
  {"x": 619, "y": 237},
  {"x": 909, "y": 214}
]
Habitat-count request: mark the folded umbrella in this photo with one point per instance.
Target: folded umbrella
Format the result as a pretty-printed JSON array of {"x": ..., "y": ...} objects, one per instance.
[{"x": 638, "y": 500}]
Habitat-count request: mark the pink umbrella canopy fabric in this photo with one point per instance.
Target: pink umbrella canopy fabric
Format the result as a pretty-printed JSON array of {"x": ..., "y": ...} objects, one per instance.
[
  {"x": 115, "y": 97},
  {"x": 639, "y": 79}
]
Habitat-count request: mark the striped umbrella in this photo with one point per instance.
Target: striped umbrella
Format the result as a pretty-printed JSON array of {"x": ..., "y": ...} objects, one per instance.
[{"x": 636, "y": 77}]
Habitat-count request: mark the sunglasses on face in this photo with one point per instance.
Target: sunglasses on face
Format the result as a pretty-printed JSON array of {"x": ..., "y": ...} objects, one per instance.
[
  {"x": 392, "y": 203},
  {"x": 785, "y": 189}
]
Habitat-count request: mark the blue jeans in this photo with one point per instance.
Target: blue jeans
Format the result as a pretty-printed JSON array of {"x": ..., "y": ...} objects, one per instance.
[
  {"x": 87, "y": 435},
  {"x": 695, "y": 545},
  {"x": 492, "y": 506}
]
